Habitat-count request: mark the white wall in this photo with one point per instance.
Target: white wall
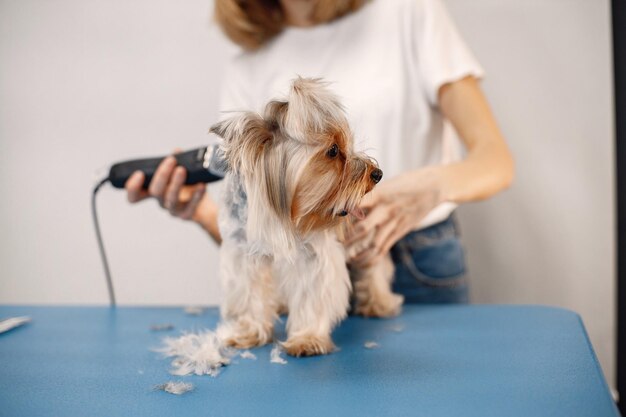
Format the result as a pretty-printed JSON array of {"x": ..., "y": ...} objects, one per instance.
[{"x": 84, "y": 83}]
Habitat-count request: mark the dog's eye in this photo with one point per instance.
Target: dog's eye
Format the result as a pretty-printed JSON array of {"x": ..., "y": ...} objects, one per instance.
[{"x": 333, "y": 151}]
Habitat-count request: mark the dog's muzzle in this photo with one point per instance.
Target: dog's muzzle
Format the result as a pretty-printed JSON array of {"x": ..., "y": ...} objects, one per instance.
[{"x": 376, "y": 175}]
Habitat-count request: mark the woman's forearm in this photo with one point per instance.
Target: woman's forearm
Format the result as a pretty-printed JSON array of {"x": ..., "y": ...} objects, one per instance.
[
  {"x": 206, "y": 217},
  {"x": 486, "y": 171},
  {"x": 488, "y": 167}
]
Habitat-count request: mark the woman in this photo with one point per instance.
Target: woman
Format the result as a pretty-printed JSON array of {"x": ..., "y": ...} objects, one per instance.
[{"x": 408, "y": 82}]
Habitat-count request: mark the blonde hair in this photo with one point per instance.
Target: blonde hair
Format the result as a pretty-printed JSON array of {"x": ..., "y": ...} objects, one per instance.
[{"x": 251, "y": 23}]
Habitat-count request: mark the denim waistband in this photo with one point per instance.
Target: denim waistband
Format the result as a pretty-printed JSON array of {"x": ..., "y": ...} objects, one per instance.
[
  {"x": 446, "y": 229},
  {"x": 430, "y": 264}
]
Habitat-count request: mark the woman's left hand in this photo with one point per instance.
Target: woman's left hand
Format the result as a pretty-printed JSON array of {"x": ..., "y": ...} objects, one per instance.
[{"x": 394, "y": 208}]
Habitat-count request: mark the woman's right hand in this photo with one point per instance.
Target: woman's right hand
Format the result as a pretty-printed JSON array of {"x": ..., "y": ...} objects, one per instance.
[{"x": 168, "y": 188}]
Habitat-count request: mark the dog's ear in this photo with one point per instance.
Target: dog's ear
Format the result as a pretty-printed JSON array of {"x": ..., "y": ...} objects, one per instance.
[
  {"x": 245, "y": 135},
  {"x": 312, "y": 108},
  {"x": 236, "y": 127},
  {"x": 274, "y": 114}
]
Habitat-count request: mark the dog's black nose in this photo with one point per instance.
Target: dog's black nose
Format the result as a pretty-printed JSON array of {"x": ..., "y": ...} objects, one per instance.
[{"x": 376, "y": 175}]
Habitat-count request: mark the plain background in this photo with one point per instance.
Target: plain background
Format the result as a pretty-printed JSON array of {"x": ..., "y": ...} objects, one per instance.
[{"x": 86, "y": 83}]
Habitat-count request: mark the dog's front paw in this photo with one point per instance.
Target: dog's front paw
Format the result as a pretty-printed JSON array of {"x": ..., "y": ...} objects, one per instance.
[
  {"x": 308, "y": 345},
  {"x": 244, "y": 337},
  {"x": 389, "y": 306}
]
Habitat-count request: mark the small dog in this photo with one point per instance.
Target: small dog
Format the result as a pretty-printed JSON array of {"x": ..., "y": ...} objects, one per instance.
[{"x": 293, "y": 177}]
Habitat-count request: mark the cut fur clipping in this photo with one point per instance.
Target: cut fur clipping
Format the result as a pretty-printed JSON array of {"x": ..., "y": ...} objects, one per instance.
[
  {"x": 196, "y": 353},
  {"x": 194, "y": 310},
  {"x": 205, "y": 353},
  {"x": 246, "y": 354},
  {"x": 176, "y": 388},
  {"x": 371, "y": 345},
  {"x": 275, "y": 355}
]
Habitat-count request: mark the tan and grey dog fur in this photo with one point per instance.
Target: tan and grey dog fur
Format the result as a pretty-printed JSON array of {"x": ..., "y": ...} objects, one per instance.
[{"x": 293, "y": 177}]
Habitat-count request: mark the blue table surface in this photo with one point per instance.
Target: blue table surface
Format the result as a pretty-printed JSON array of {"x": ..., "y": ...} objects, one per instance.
[{"x": 446, "y": 361}]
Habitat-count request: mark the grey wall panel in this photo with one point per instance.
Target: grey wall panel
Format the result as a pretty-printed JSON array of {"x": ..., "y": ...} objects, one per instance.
[{"x": 550, "y": 239}]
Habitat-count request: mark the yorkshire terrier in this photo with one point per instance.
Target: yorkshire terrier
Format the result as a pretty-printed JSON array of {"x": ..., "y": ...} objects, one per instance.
[{"x": 293, "y": 178}]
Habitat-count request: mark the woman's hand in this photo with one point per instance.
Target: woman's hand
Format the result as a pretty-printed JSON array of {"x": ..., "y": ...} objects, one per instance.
[
  {"x": 167, "y": 187},
  {"x": 395, "y": 207},
  {"x": 188, "y": 202}
]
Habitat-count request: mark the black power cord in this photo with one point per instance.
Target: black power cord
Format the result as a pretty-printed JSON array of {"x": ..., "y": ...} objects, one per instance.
[{"x": 103, "y": 255}]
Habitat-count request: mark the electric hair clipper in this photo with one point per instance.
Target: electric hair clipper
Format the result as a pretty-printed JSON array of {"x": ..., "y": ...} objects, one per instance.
[{"x": 203, "y": 165}]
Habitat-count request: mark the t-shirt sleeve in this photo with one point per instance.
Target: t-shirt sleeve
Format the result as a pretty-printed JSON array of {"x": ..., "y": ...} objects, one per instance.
[{"x": 442, "y": 54}]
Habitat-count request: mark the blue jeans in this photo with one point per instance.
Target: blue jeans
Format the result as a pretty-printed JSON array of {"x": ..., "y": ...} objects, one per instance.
[{"x": 430, "y": 265}]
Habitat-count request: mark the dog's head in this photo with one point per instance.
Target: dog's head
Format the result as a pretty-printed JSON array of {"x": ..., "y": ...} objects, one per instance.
[{"x": 298, "y": 158}]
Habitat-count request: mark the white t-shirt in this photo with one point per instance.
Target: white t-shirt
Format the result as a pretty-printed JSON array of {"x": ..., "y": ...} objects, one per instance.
[{"x": 386, "y": 62}]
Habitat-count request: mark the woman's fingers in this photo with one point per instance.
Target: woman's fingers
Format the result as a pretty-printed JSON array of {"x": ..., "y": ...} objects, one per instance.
[
  {"x": 403, "y": 227},
  {"x": 190, "y": 207},
  {"x": 386, "y": 236},
  {"x": 361, "y": 258},
  {"x": 168, "y": 187},
  {"x": 366, "y": 257},
  {"x": 370, "y": 199},
  {"x": 161, "y": 178},
  {"x": 391, "y": 240},
  {"x": 172, "y": 192},
  {"x": 378, "y": 215},
  {"x": 133, "y": 186},
  {"x": 186, "y": 193},
  {"x": 384, "y": 232}
]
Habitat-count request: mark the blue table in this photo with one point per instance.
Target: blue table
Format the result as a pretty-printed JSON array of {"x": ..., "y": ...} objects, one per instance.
[{"x": 445, "y": 361}]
